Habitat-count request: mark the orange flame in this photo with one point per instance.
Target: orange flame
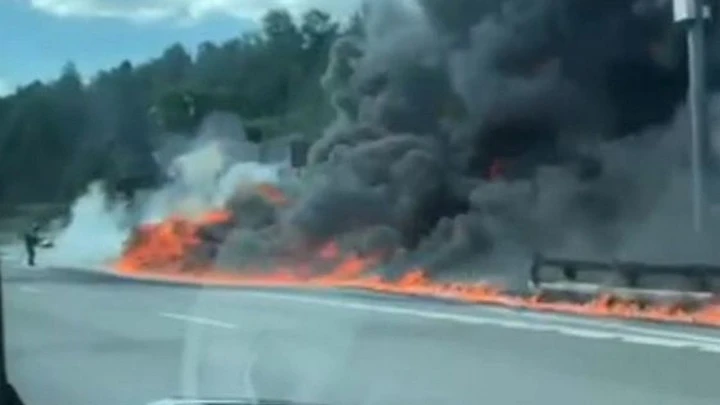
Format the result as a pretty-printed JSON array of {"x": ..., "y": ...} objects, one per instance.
[
  {"x": 160, "y": 251},
  {"x": 272, "y": 194},
  {"x": 166, "y": 245}
]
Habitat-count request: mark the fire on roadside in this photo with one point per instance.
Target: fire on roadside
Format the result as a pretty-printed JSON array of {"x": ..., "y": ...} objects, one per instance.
[
  {"x": 166, "y": 245},
  {"x": 162, "y": 251}
]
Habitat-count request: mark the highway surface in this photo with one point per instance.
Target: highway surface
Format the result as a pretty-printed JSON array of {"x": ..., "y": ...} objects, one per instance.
[{"x": 75, "y": 338}]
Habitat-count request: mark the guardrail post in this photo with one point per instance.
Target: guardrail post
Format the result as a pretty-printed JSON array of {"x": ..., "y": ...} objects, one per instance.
[
  {"x": 631, "y": 277},
  {"x": 570, "y": 272},
  {"x": 535, "y": 269},
  {"x": 703, "y": 281}
]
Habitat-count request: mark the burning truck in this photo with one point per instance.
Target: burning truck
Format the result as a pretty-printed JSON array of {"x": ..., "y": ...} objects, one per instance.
[{"x": 468, "y": 137}]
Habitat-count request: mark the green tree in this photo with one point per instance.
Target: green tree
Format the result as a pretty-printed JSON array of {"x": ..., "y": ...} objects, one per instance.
[
  {"x": 106, "y": 127},
  {"x": 318, "y": 30}
]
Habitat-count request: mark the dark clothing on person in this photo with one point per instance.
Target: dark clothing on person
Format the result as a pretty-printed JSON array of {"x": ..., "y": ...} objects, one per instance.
[{"x": 32, "y": 239}]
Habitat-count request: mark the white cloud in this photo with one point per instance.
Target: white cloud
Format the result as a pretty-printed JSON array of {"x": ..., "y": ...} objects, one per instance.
[{"x": 151, "y": 10}]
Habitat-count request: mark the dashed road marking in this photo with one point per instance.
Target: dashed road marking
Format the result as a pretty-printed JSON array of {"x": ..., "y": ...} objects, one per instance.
[
  {"x": 198, "y": 320},
  {"x": 29, "y": 289},
  {"x": 184, "y": 401}
]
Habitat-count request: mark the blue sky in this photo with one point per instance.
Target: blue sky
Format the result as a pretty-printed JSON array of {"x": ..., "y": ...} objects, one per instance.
[{"x": 37, "y": 37}]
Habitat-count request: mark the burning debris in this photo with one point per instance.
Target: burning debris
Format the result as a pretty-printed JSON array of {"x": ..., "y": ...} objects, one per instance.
[
  {"x": 165, "y": 250},
  {"x": 175, "y": 243}
]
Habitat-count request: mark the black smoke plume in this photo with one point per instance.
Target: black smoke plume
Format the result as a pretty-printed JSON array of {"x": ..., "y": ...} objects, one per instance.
[{"x": 568, "y": 97}]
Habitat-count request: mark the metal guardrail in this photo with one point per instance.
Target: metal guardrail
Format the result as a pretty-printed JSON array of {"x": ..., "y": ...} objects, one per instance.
[{"x": 626, "y": 278}]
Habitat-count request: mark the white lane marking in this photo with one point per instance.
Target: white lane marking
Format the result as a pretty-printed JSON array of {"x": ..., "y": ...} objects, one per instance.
[
  {"x": 589, "y": 333},
  {"x": 658, "y": 341},
  {"x": 28, "y": 289},
  {"x": 248, "y": 376},
  {"x": 198, "y": 320},
  {"x": 191, "y": 359},
  {"x": 607, "y": 324},
  {"x": 636, "y": 336},
  {"x": 182, "y": 401}
]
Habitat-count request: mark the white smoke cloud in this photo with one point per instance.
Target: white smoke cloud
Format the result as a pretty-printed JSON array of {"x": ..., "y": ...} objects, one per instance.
[
  {"x": 206, "y": 175},
  {"x": 151, "y": 10},
  {"x": 97, "y": 233}
]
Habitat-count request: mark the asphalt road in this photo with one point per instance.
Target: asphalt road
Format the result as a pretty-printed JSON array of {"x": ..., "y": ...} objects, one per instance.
[{"x": 75, "y": 338}]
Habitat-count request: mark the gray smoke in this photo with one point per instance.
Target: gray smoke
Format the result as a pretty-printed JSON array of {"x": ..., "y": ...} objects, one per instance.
[{"x": 582, "y": 101}]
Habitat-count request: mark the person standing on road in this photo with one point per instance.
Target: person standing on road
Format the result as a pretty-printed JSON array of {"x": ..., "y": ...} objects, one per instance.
[{"x": 32, "y": 240}]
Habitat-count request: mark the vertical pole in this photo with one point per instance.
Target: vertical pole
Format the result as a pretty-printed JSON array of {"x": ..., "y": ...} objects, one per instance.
[
  {"x": 3, "y": 366},
  {"x": 697, "y": 99}
]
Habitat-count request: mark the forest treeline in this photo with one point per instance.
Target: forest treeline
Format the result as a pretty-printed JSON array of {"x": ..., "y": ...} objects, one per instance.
[{"x": 57, "y": 136}]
